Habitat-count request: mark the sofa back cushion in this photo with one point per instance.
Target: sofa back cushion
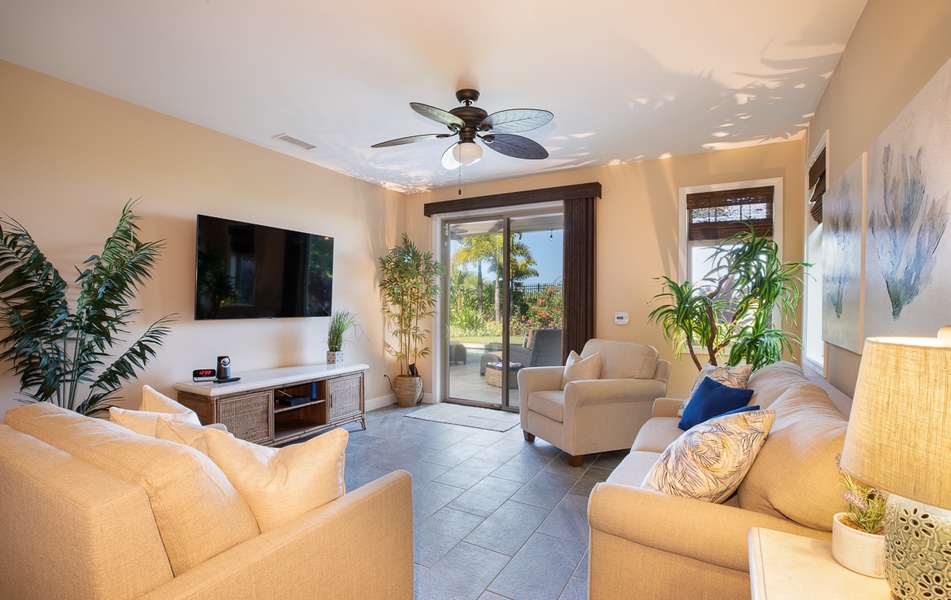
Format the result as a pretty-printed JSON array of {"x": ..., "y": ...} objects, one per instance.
[
  {"x": 198, "y": 512},
  {"x": 71, "y": 530},
  {"x": 623, "y": 360},
  {"x": 772, "y": 381},
  {"x": 795, "y": 475}
]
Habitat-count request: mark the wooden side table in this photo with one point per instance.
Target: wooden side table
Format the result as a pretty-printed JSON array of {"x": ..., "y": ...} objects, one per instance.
[{"x": 784, "y": 566}]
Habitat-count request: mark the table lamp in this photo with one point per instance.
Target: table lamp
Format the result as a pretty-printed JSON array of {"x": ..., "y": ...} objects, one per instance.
[{"x": 899, "y": 440}]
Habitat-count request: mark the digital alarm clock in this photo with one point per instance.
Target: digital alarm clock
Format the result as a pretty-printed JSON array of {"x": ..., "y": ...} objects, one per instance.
[{"x": 203, "y": 375}]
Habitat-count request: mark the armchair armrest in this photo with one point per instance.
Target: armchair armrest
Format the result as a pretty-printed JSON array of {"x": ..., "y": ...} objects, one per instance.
[
  {"x": 712, "y": 533},
  {"x": 592, "y": 392},
  {"x": 536, "y": 379},
  {"x": 666, "y": 407}
]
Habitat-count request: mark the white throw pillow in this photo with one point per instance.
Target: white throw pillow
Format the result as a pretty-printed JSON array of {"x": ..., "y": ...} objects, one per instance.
[
  {"x": 144, "y": 422},
  {"x": 734, "y": 377},
  {"x": 280, "y": 484},
  {"x": 577, "y": 368},
  {"x": 153, "y": 401},
  {"x": 185, "y": 432},
  {"x": 710, "y": 460}
]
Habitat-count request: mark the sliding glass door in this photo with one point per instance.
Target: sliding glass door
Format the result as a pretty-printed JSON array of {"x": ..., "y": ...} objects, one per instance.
[{"x": 503, "y": 307}]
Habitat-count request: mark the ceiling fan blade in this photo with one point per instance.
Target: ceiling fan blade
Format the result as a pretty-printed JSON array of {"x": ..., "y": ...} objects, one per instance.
[
  {"x": 515, "y": 146},
  {"x": 515, "y": 120},
  {"x": 449, "y": 161},
  {"x": 410, "y": 139},
  {"x": 437, "y": 114}
]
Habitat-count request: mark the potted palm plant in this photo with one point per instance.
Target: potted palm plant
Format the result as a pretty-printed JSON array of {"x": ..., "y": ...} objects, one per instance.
[
  {"x": 409, "y": 284},
  {"x": 341, "y": 321},
  {"x": 57, "y": 348},
  {"x": 731, "y": 309}
]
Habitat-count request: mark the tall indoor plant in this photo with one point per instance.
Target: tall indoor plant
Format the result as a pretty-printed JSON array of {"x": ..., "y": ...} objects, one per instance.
[
  {"x": 59, "y": 350},
  {"x": 409, "y": 283},
  {"x": 731, "y": 308}
]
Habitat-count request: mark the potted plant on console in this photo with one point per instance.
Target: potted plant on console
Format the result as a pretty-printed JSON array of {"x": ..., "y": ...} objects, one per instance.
[
  {"x": 409, "y": 286},
  {"x": 340, "y": 322}
]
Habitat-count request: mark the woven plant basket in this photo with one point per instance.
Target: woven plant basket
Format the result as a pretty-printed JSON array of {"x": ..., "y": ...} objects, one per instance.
[{"x": 408, "y": 390}]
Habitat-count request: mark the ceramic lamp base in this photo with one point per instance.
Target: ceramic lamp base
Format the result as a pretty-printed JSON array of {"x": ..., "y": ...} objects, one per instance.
[{"x": 917, "y": 549}]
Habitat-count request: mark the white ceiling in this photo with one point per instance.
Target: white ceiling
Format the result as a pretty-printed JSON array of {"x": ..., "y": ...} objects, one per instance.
[{"x": 627, "y": 80}]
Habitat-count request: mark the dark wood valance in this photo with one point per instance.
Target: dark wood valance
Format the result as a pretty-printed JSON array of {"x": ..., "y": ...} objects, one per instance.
[
  {"x": 718, "y": 215},
  {"x": 555, "y": 194}
]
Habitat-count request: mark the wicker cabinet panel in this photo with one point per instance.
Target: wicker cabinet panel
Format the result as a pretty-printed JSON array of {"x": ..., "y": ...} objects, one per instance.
[
  {"x": 247, "y": 417},
  {"x": 345, "y": 397}
]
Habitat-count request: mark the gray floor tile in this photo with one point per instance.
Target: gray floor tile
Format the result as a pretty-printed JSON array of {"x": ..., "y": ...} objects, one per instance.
[
  {"x": 469, "y": 472},
  {"x": 439, "y": 534},
  {"x": 491, "y": 596},
  {"x": 545, "y": 490},
  {"x": 509, "y": 527},
  {"x": 540, "y": 570},
  {"x": 587, "y": 482},
  {"x": 462, "y": 574},
  {"x": 502, "y": 450},
  {"x": 577, "y": 589},
  {"x": 569, "y": 520},
  {"x": 455, "y": 454},
  {"x": 610, "y": 460},
  {"x": 485, "y": 497},
  {"x": 560, "y": 466},
  {"x": 486, "y": 438},
  {"x": 430, "y": 497},
  {"x": 581, "y": 572},
  {"x": 522, "y": 468}
]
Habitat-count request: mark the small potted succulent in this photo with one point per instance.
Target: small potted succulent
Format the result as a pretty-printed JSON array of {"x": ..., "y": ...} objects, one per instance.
[
  {"x": 340, "y": 322},
  {"x": 858, "y": 538}
]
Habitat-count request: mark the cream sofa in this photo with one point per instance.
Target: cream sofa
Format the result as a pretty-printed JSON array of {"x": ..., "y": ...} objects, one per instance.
[
  {"x": 645, "y": 544},
  {"x": 86, "y": 515},
  {"x": 593, "y": 415}
]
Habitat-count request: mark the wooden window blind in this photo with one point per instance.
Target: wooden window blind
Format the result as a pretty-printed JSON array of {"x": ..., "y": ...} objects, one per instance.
[
  {"x": 817, "y": 186},
  {"x": 718, "y": 215}
]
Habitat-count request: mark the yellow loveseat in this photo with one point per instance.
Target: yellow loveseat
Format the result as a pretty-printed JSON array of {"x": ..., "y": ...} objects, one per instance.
[
  {"x": 646, "y": 544},
  {"x": 89, "y": 509}
]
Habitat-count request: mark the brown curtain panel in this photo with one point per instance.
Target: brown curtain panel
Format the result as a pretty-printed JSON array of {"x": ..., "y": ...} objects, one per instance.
[{"x": 578, "y": 297}]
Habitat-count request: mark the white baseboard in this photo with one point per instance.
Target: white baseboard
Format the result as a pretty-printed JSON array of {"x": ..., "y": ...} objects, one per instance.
[{"x": 389, "y": 399}]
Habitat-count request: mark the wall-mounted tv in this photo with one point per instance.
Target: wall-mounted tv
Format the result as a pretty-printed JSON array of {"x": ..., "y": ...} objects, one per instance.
[{"x": 248, "y": 271}]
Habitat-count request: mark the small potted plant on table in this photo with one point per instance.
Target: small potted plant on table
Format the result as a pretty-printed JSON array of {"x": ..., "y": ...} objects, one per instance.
[{"x": 340, "y": 322}]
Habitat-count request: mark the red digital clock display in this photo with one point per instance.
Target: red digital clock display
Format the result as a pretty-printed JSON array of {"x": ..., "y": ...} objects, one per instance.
[{"x": 199, "y": 373}]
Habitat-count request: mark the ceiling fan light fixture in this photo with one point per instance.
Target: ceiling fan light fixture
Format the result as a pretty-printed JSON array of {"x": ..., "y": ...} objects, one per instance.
[{"x": 467, "y": 153}]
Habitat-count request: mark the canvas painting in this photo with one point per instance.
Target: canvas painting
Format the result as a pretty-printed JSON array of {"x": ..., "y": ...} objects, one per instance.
[
  {"x": 842, "y": 258},
  {"x": 908, "y": 248}
]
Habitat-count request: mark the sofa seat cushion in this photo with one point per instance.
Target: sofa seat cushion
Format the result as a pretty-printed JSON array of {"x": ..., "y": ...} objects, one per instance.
[
  {"x": 199, "y": 514},
  {"x": 634, "y": 468},
  {"x": 623, "y": 360},
  {"x": 656, "y": 434},
  {"x": 795, "y": 475},
  {"x": 550, "y": 404}
]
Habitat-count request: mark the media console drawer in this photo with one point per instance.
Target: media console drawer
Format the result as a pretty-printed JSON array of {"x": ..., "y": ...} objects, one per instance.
[{"x": 281, "y": 405}]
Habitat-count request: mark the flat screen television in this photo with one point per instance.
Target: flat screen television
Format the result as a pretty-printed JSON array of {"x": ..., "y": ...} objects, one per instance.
[{"x": 248, "y": 271}]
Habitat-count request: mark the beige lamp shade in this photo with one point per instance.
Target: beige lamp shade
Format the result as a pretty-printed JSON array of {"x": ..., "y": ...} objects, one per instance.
[{"x": 899, "y": 435}]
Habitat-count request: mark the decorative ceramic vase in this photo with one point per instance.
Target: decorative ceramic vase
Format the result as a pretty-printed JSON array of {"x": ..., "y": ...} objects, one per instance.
[
  {"x": 335, "y": 358},
  {"x": 857, "y": 550},
  {"x": 918, "y": 549},
  {"x": 408, "y": 390}
]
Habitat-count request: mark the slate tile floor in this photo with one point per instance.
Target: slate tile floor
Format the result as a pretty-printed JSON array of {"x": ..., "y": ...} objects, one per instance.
[{"x": 495, "y": 517}]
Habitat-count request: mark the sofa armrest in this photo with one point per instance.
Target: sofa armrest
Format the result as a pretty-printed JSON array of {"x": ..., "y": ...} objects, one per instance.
[
  {"x": 666, "y": 407},
  {"x": 593, "y": 392},
  {"x": 358, "y": 546},
  {"x": 712, "y": 533}
]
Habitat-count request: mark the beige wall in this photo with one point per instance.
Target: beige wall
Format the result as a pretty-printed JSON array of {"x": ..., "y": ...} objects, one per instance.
[
  {"x": 70, "y": 158},
  {"x": 896, "y": 48},
  {"x": 637, "y": 227}
]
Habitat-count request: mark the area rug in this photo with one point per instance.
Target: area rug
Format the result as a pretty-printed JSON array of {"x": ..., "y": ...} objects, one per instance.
[{"x": 468, "y": 416}]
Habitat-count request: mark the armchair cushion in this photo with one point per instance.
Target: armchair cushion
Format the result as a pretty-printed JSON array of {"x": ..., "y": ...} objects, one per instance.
[
  {"x": 577, "y": 368},
  {"x": 623, "y": 360},
  {"x": 711, "y": 399},
  {"x": 550, "y": 404},
  {"x": 710, "y": 461}
]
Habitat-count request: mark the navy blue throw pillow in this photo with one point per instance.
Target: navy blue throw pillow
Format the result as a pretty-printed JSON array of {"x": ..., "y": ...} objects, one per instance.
[
  {"x": 737, "y": 410},
  {"x": 712, "y": 399}
]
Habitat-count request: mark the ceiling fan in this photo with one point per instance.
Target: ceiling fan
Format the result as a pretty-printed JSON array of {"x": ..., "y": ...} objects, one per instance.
[{"x": 471, "y": 122}]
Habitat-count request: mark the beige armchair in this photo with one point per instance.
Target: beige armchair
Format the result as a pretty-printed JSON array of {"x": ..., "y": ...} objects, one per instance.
[{"x": 598, "y": 415}]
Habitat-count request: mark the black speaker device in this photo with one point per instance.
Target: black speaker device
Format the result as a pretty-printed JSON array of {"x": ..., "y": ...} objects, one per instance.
[{"x": 223, "y": 371}]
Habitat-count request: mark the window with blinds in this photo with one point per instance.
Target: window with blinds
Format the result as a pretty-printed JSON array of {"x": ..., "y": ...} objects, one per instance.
[
  {"x": 713, "y": 216},
  {"x": 817, "y": 186}
]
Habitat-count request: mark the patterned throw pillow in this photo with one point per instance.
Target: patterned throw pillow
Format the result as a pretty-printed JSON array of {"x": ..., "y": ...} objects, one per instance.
[
  {"x": 735, "y": 377},
  {"x": 709, "y": 461}
]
